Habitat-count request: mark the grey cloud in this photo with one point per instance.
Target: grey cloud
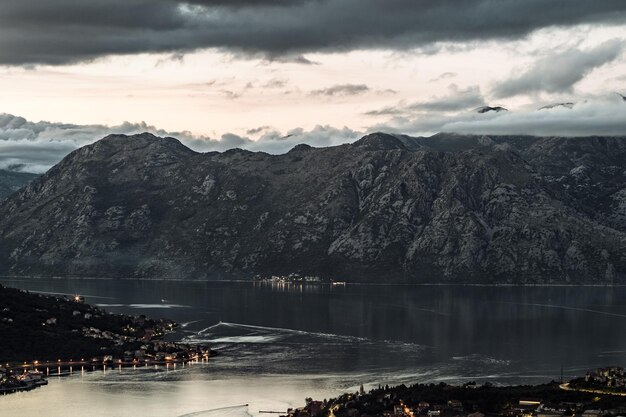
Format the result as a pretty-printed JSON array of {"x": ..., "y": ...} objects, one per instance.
[
  {"x": 444, "y": 76},
  {"x": 286, "y": 59},
  {"x": 64, "y": 31},
  {"x": 320, "y": 136},
  {"x": 456, "y": 99},
  {"x": 231, "y": 95},
  {"x": 248, "y": 3},
  {"x": 559, "y": 73},
  {"x": 32, "y": 156},
  {"x": 257, "y": 130},
  {"x": 388, "y": 111},
  {"x": 599, "y": 116},
  {"x": 275, "y": 83},
  {"x": 36, "y": 146},
  {"x": 341, "y": 90},
  {"x": 387, "y": 92}
]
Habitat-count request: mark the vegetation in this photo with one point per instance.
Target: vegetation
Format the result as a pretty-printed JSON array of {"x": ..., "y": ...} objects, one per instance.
[{"x": 45, "y": 328}]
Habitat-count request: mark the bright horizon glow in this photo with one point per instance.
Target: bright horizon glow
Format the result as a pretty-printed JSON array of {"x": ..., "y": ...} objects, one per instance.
[{"x": 210, "y": 93}]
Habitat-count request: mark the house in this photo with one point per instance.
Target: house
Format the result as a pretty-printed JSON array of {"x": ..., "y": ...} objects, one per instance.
[{"x": 455, "y": 405}]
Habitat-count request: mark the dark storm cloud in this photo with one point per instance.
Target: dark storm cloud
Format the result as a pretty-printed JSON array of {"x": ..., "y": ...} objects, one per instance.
[
  {"x": 559, "y": 72},
  {"x": 245, "y": 3},
  {"x": 341, "y": 90},
  {"x": 62, "y": 31}
]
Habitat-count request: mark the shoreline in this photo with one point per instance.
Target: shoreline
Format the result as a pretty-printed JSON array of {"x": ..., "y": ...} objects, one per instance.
[
  {"x": 25, "y": 278},
  {"x": 552, "y": 399},
  {"x": 36, "y": 326},
  {"x": 66, "y": 368}
]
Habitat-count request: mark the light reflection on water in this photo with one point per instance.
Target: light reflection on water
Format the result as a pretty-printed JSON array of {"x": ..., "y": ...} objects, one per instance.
[{"x": 280, "y": 344}]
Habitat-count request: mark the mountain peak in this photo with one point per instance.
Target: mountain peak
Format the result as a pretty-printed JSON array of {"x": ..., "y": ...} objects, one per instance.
[
  {"x": 139, "y": 138},
  {"x": 566, "y": 105},
  {"x": 487, "y": 109},
  {"x": 380, "y": 142},
  {"x": 142, "y": 142},
  {"x": 302, "y": 147}
]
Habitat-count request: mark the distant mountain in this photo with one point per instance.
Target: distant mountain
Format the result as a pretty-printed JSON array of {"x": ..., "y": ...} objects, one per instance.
[
  {"x": 446, "y": 208},
  {"x": 487, "y": 109},
  {"x": 567, "y": 105},
  {"x": 12, "y": 181}
]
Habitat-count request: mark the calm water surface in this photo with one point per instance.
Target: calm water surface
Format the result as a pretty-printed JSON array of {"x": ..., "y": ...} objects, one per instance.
[{"x": 280, "y": 344}]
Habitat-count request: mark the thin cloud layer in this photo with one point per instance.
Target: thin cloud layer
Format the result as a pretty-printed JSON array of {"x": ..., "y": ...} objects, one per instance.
[
  {"x": 456, "y": 99},
  {"x": 36, "y": 146},
  {"x": 558, "y": 73},
  {"x": 66, "y": 31},
  {"x": 341, "y": 90},
  {"x": 600, "y": 116}
]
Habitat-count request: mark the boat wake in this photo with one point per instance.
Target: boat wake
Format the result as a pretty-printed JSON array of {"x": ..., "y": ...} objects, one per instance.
[
  {"x": 143, "y": 306},
  {"x": 240, "y": 334},
  {"x": 232, "y": 411},
  {"x": 224, "y": 332},
  {"x": 482, "y": 359}
]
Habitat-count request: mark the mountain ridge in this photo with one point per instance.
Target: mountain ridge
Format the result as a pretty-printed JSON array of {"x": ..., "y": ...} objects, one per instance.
[{"x": 446, "y": 208}]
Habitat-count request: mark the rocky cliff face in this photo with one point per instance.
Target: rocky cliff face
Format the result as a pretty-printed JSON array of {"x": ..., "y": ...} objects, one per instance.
[{"x": 448, "y": 208}]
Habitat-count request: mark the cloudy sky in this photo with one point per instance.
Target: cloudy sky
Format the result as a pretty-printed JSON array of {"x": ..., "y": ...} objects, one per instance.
[{"x": 268, "y": 74}]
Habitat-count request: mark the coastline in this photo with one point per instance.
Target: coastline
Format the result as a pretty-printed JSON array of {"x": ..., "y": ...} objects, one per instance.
[
  {"x": 36, "y": 327},
  {"x": 552, "y": 399},
  {"x": 26, "y": 278}
]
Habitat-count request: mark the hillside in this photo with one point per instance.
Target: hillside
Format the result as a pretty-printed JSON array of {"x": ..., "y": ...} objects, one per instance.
[
  {"x": 447, "y": 208},
  {"x": 12, "y": 181},
  {"x": 43, "y": 327}
]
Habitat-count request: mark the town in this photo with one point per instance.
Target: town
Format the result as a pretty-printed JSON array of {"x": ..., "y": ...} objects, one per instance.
[
  {"x": 471, "y": 400},
  {"x": 611, "y": 379},
  {"x": 33, "y": 326}
]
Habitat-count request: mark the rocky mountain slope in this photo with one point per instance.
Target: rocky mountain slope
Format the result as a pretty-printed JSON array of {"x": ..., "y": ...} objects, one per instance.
[
  {"x": 12, "y": 181},
  {"x": 446, "y": 208}
]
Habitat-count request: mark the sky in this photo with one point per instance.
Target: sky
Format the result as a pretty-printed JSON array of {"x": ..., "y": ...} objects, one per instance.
[{"x": 266, "y": 75}]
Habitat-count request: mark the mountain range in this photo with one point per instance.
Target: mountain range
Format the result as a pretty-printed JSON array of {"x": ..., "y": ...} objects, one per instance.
[{"x": 387, "y": 208}]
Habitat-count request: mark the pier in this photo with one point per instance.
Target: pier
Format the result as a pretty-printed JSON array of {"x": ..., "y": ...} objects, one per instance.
[{"x": 30, "y": 375}]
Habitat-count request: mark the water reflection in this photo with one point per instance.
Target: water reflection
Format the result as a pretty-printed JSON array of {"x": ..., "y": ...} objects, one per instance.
[{"x": 306, "y": 339}]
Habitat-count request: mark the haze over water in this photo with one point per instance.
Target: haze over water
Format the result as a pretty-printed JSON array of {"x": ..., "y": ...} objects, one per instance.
[{"x": 280, "y": 344}]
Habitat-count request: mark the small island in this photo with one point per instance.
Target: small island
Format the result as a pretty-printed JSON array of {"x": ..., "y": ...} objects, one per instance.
[
  {"x": 44, "y": 335},
  {"x": 297, "y": 279}
]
